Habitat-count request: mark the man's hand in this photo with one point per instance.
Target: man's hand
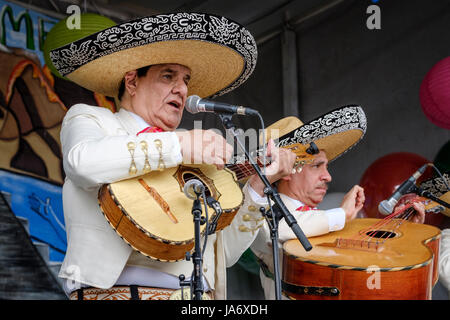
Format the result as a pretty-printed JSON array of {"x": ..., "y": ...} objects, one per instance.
[
  {"x": 282, "y": 163},
  {"x": 352, "y": 202},
  {"x": 419, "y": 214},
  {"x": 204, "y": 146}
]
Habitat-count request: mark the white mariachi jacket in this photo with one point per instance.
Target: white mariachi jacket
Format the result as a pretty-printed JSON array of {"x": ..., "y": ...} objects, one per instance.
[
  {"x": 313, "y": 223},
  {"x": 95, "y": 151},
  {"x": 444, "y": 259}
]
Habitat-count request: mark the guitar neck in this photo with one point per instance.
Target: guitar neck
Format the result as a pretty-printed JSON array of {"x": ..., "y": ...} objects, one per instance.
[
  {"x": 243, "y": 170},
  {"x": 304, "y": 154}
]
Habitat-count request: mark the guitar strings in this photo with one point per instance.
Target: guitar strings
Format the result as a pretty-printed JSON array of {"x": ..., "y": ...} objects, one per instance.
[
  {"x": 406, "y": 214},
  {"x": 371, "y": 230},
  {"x": 242, "y": 170},
  {"x": 403, "y": 216},
  {"x": 397, "y": 217},
  {"x": 369, "y": 233}
]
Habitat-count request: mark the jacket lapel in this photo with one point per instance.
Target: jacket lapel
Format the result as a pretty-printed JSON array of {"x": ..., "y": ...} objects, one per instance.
[
  {"x": 128, "y": 122},
  {"x": 290, "y": 205}
]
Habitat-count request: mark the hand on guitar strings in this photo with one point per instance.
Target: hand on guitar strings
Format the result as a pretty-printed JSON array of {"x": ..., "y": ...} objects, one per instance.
[
  {"x": 282, "y": 162},
  {"x": 353, "y": 202},
  {"x": 204, "y": 147},
  {"x": 412, "y": 200}
]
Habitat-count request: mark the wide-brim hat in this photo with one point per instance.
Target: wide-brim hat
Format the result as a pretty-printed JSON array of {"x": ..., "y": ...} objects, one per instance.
[
  {"x": 437, "y": 187},
  {"x": 65, "y": 32},
  {"x": 220, "y": 53},
  {"x": 335, "y": 132}
]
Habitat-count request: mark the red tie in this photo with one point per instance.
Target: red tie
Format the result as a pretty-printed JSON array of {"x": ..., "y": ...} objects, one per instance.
[
  {"x": 150, "y": 129},
  {"x": 305, "y": 208}
]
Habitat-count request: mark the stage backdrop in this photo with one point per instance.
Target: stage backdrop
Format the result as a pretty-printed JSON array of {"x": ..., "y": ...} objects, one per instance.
[{"x": 32, "y": 105}]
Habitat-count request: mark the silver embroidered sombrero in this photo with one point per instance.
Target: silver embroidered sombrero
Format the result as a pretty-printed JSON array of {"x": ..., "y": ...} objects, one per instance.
[
  {"x": 220, "y": 53},
  {"x": 438, "y": 188},
  {"x": 335, "y": 132}
]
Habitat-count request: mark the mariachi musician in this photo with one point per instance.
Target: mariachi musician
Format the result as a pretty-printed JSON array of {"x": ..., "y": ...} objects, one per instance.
[{"x": 150, "y": 65}]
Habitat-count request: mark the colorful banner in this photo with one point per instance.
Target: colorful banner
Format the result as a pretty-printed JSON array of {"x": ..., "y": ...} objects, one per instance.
[{"x": 32, "y": 105}]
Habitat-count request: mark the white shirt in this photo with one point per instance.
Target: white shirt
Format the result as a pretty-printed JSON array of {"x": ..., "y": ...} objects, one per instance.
[
  {"x": 336, "y": 216},
  {"x": 137, "y": 275},
  {"x": 145, "y": 276}
]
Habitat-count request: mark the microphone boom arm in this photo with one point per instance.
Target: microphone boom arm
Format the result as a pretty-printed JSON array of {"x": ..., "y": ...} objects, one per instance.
[
  {"x": 279, "y": 209},
  {"x": 426, "y": 194}
]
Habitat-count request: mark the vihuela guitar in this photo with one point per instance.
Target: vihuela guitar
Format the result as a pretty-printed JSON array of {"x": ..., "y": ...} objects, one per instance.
[
  {"x": 153, "y": 215},
  {"x": 378, "y": 259}
]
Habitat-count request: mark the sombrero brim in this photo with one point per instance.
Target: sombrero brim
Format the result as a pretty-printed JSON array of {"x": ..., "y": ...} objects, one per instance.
[
  {"x": 335, "y": 132},
  {"x": 60, "y": 34},
  {"x": 437, "y": 188},
  {"x": 220, "y": 53}
]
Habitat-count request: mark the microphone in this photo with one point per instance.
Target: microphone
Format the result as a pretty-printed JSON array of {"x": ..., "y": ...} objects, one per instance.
[
  {"x": 218, "y": 209},
  {"x": 387, "y": 206},
  {"x": 192, "y": 188},
  {"x": 194, "y": 104}
]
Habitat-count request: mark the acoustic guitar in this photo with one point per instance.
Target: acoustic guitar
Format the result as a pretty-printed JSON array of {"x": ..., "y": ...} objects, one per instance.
[
  {"x": 153, "y": 215},
  {"x": 378, "y": 259}
]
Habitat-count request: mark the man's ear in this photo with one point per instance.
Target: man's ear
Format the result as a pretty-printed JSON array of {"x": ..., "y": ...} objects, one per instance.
[{"x": 131, "y": 82}]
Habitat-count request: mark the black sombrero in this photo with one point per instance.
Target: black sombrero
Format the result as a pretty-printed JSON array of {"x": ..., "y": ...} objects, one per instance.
[
  {"x": 438, "y": 188},
  {"x": 221, "y": 53},
  {"x": 335, "y": 132}
]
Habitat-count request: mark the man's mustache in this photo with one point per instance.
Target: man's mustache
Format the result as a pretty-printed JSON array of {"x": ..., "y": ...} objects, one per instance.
[{"x": 323, "y": 185}]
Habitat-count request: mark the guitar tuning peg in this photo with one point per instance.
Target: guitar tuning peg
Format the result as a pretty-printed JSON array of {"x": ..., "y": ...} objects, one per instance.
[
  {"x": 312, "y": 149},
  {"x": 298, "y": 167}
]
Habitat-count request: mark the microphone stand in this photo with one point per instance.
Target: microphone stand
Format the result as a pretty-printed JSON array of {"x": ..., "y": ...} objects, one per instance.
[
  {"x": 279, "y": 210},
  {"x": 197, "y": 279},
  {"x": 426, "y": 194}
]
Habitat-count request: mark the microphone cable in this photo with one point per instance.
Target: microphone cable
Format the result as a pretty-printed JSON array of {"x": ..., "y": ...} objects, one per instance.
[{"x": 440, "y": 174}]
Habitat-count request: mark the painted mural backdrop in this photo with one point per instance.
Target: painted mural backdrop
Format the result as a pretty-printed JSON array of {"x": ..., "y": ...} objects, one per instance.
[{"x": 32, "y": 106}]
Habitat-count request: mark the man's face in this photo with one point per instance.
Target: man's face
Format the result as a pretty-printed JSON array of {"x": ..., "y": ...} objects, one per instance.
[
  {"x": 160, "y": 95},
  {"x": 311, "y": 184}
]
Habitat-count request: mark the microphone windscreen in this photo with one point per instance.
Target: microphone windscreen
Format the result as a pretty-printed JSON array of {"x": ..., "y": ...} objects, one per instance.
[
  {"x": 190, "y": 186},
  {"x": 385, "y": 207},
  {"x": 192, "y": 104}
]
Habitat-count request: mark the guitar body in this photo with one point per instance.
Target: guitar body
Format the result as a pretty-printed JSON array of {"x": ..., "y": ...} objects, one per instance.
[
  {"x": 404, "y": 267},
  {"x": 153, "y": 215}
]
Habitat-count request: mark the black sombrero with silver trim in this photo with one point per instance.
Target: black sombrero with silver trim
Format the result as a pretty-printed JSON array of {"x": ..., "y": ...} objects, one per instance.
[
  {"x": 438, "y": 188},
  {"x": 221, "y": 53},
  {"x": 335, "y": 132}
]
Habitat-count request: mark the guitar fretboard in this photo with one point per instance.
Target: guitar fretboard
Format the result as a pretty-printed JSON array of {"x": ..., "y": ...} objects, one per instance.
[{"x": 244, "y": 169}]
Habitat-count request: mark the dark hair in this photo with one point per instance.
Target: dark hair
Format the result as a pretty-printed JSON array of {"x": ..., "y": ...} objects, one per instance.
[{"x": 141, "y": 72}]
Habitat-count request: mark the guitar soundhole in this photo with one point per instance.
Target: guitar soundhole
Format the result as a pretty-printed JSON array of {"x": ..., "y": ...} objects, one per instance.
[
  {"x": 381, "y": 234},
  {"x": 188, "y": 176}
]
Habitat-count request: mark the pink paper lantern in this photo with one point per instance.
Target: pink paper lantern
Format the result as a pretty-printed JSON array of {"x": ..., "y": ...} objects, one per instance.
[{"x": 435, "y": 94}]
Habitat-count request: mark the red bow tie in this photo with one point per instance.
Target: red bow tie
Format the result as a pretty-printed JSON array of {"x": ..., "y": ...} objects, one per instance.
[
  {"x": 150, "y": 129},
  {"x": 305, "y": 208}
]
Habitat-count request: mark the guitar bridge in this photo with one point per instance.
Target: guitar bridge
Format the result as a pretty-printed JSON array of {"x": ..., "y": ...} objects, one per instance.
[{"x": 355, "y": 244}]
